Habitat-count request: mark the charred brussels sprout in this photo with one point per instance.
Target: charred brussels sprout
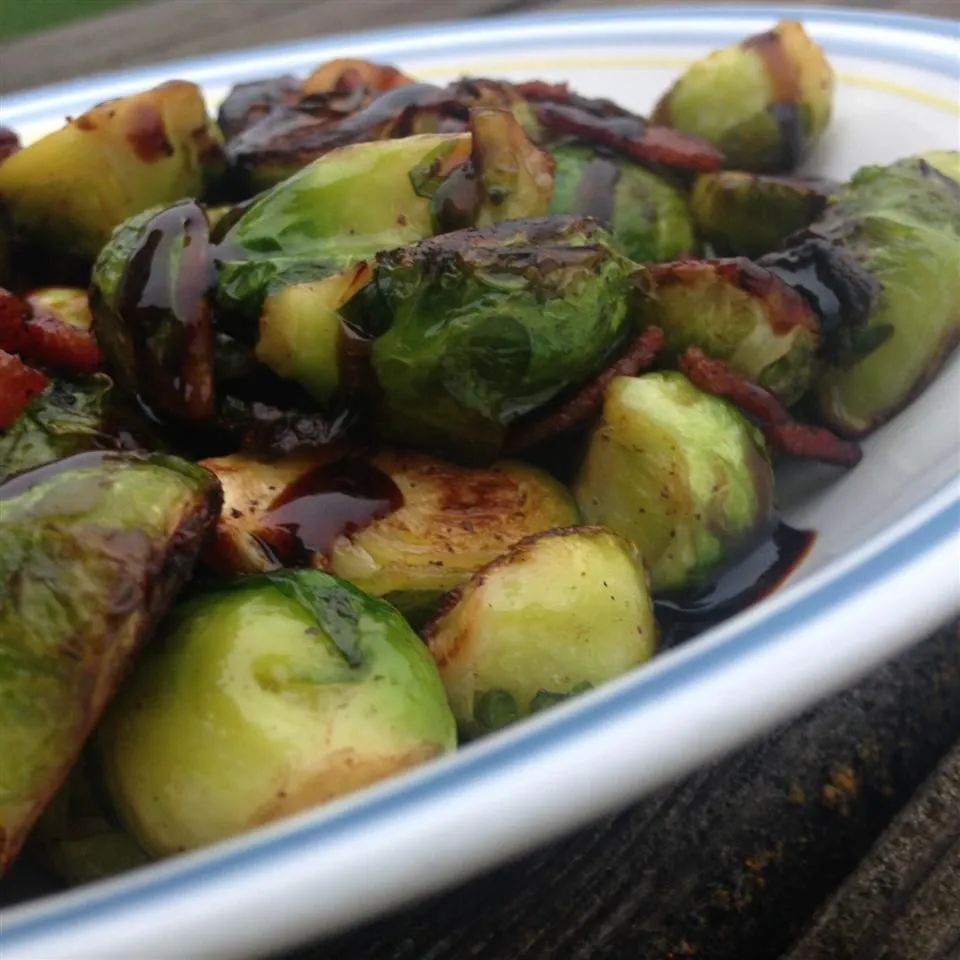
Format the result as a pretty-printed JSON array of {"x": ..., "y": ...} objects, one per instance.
[
  {"x": 646, "y": 214},
  {"x": 67, "y": 418},
  {"x": 680, "y": 473},
  {"x": 764, "y": 102},
  {"x": 485, "y": 326},
  {"x": 67, "y": 191},
  {"x": 739, "y": 312},
  {"x": 901, "y": 225},
  {"x": 149, "y": 292},
  {"x": 292, "y": 689},
  {"x": 452, "y": 521},
  {"x": 744, "y": 214},
  {"x": 91, "y": 553},
  {"x": 557, "y": 614},
  {"x": 403, "y": 526}
]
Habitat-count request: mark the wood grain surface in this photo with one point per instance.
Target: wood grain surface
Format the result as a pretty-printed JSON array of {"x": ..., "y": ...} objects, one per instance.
[{"x": 732, "y": 863}]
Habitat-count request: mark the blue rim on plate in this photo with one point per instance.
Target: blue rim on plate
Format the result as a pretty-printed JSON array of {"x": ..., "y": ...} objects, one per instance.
[{"x": 926, "y": 530}]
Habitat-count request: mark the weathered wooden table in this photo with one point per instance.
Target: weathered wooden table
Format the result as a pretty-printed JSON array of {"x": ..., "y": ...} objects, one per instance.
[{"x": 764, "y": 855}]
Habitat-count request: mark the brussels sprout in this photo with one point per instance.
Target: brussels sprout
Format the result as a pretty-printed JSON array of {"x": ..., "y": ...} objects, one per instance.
[
  {"x": 149, "y": 293},
  {"x": 740, "y": 312},
  {"x": 291, "y": 688},
  {"x": 342, "y": 208},
  {"x": 746, "y": 214},
  {"x": 67, "y": 418},
  {"x": 67, "y": 191},
  {"x": 485, "y": 326},
  {"x": 764, "y": 102},
  {"x": 559, "y": 613},
  {"x": 348, "y": 74},
  {"x": 248, "y": 103},
  {"x": 680, "y": 473},
  {"x": 901, "y": 225},
  {"x": 78, "y": 837},
  {"x": 404, "y": 526},
  {"x": 646, "y": 214},
  {"x": 91, "y": 552},
  {"x": 507, "y": 178},
  {"x": 302, "y": 335}
]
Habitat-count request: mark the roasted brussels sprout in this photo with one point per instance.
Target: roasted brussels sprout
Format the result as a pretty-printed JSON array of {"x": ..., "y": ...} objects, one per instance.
[
  {"x": 744, "y": 214},
  {"x": 151, "y": 309},
  {"x": 322, "y": 218},
  {"x": 400, "y": 525},
  {"x": 67, "y": 191},
  {"x": 67, "y": 418},
  {"x": 302, "y": 335},
  {"x": 485, "y": 326},
  {"x": 764, "y": 102},
  {"x": 79, "y": 837},
  {"x": 91, "y": 552},
  {"x": 900, "y": 225},
  {"x": 646, "y": 214},
  {"x": 740, "y": 312},
  {"x": 291, "y": 688},
  {"x": 558, "y": 613},
  {"x": 680, "y": 473}
]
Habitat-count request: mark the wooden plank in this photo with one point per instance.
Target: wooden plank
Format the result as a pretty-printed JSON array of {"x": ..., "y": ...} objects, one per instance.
[
  {"x": 169, "y": 29},
  {"x": 728, "y": 865},
  {"x": 903, "y": 902}
]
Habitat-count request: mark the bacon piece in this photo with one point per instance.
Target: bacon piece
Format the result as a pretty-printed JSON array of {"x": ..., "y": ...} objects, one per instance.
[
  {"x": 782, "y": 432},
  {"x": 587, "y": 402},
  {"x": 633, "y": 136},
  {"x": 9, "y": 143},
  {"x": 19, "y": 384},
  {"x": 39, "y": 336}
]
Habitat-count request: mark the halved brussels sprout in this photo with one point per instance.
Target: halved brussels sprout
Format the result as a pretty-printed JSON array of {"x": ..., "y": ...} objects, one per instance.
[
  {"x": 67, "y": 418},
  {"x": 150, "y": 297},
  {"x": 680, "y": 473},
  {"x": 291, "y": 689},
  {"x": 764, "y": 102},
  {"x": 739, "y": 312},
  {"x": 646, "y": 214},
  {"x": 485, "y": 326},
  {"x": 558, "y": 613},
  {"x": 340, "y": 209},
  {"x": 68, "y": 190},
  {"x": 901, "y": 225},
  {"x": 302, "y": 335},
  {"x": 92, "y": 550},
  {"x": 746, "y": 214},
  {"x": 403, "y": 526}
]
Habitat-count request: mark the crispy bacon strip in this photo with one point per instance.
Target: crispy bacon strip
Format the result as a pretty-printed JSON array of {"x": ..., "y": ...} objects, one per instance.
[
  {"x": 586, "y": 403},
  {"x": 19, "y": 384},
  {"x": 783, "y": 433},
  {"x": 633, "y": 136},
  {"x": 39, "y": 336}
]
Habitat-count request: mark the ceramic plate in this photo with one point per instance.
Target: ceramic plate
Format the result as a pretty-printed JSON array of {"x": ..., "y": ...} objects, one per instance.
[{"x": 883, "y": 572}]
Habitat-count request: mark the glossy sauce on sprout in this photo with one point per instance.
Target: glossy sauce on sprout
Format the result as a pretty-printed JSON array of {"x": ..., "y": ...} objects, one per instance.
[
  {"x": 596, "y": 191},
  {"x": 28, "y": 479},
  {"x": 327, "y": 502},
  {"x": 684, "y": 615}
]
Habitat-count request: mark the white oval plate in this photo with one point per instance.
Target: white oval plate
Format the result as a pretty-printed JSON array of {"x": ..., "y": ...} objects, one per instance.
[{"x": 883, "y": 573}]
